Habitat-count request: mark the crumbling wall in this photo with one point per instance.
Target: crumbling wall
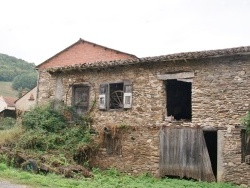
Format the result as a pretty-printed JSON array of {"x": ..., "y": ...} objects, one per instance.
[
  {"x": 220, "y": 98},
  {"x": 138, "y": 152}
]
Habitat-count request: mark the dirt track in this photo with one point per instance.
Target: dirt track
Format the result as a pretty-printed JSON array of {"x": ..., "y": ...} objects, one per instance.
[{"x": 7, "y": 184}]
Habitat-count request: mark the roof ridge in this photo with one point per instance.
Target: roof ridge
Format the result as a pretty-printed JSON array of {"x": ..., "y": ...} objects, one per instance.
[{"x": 168, "y": 57}]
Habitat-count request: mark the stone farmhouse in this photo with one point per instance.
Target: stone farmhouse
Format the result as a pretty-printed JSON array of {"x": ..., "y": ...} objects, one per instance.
[{"x": 175, "y": 115}]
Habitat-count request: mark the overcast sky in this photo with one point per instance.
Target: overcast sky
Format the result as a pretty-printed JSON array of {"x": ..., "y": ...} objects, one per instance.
[{"x": 35, "y": 30}]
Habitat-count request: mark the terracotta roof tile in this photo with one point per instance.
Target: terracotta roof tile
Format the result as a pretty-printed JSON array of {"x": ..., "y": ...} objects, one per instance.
[
  {"x": 170, "y": 57},
  {"x": 10, "y": 101}
]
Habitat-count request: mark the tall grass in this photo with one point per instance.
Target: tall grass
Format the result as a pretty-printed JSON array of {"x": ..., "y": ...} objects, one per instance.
[
  {"x": 7, "y": 90},
  {"x": 10, "y": 134},
  {"x": 105, "y": 179}
]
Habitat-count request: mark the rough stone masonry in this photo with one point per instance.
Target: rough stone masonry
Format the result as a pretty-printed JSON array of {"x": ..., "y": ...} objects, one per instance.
[{"x": 220, "y": 97}]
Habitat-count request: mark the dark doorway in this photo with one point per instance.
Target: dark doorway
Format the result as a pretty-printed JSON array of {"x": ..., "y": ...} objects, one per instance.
[
  {"x": 179, "y": 99},
  {"x": 211, "y": 142}
]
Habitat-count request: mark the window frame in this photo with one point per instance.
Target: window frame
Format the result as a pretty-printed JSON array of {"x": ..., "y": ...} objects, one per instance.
[{"x": 104, "y": 95}]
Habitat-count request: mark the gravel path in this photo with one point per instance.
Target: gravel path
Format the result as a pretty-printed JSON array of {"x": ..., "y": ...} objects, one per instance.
[{"x": 7, "y": 184}]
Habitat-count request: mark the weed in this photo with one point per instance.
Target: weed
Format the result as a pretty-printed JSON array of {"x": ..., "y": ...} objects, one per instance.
[
  {"x": 44, "y": 117},
  {"x": 9, "y": 136},
  {"x": 246, "y": 121},
  {"x": 7, "y": 123},
  {"x": 105, "y": 179}
]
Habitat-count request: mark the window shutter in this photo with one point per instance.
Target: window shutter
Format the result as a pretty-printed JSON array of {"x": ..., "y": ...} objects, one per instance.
[
  {"x": 103, "y": 96},
  {"x": 127, "y": 96}
]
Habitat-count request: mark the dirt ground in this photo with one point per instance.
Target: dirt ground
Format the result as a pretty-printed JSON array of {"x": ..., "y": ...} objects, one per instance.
[{"x": 8, "y": 184}]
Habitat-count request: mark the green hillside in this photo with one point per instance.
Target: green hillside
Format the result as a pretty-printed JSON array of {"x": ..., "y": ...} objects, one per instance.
[
  {"x": 6, "y": 89},
  {"x": 16, "y": 74},
  {"x": 10, "y": 67}
]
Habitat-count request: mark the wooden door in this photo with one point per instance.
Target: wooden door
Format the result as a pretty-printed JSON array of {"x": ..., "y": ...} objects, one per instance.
[
  {"x": 183, "y": 153},
  {"x": 81, "y": 99}
]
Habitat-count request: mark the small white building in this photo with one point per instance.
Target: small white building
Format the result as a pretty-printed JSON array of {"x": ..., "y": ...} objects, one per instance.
[
  {"x": 7, "y": 103},
  {"x": 27, "y": 101},
  {"x": 7, "y": 107}
]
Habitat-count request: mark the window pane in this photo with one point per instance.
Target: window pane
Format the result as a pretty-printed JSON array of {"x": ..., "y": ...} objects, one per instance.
[
  {"x": 127, "y": 99},
  {"x": 102, "y": 100}
]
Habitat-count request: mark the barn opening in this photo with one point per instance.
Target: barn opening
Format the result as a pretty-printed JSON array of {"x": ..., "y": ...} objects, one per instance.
[
  {"x": 179, "y": 99},
  {"x": 211, "y": 142}
]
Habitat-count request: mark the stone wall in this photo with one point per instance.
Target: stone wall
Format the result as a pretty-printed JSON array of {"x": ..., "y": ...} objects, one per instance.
[
  {"x": 139, "y": 151},
  {"x": 235, "y": 170},
  {"x": 220, "y": 97}
]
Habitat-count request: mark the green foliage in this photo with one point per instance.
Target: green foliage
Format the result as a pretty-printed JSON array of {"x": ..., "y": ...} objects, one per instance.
[
  {"x": 10, "y": 67},
  {"x": 246, "y": 121},
  {"x": 7, "y": 123},
  {"x": 49, "y": 133},
  {"x": 45, "y": 118},
  {"x": 105, "y": 179},
  {"x": 23, "y": 81}
]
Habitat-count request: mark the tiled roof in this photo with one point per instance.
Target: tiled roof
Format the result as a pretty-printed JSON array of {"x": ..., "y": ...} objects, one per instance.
[
  {"x": 10, "y": 101},
  {"x": 171, "y": 57},
  {"x": 82, "y": 41}
]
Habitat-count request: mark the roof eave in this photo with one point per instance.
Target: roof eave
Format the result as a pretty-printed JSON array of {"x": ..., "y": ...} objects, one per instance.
[{"x": 164, "y": 58}]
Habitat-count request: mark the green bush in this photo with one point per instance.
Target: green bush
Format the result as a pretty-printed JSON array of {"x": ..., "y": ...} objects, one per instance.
[
  {"x": 246, "y": 121},
  {"x": 44, "y": 117},
  {"x": 7, "y": 123}
]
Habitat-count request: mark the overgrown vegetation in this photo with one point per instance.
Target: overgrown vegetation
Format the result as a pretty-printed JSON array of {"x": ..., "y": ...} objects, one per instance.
[
  {"x": 246, "y": 121},
  {"x": 60, "y": 142},
  {"x": 7, "y": 123},
  {"x": 56, "y": 139},
  {"x": 103, "y": 179}
]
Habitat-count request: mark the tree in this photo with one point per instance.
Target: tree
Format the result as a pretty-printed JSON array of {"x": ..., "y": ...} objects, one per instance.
[{"x": 25, "y": 81}]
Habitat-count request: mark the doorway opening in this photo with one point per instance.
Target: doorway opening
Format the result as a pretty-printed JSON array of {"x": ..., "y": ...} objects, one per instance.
[{"x": 211, "y": 142}]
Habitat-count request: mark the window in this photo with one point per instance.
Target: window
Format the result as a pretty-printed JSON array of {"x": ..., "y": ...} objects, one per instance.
[
  {"x": 115, "y": 95},
  {"x": 81, "y": 98},
  {"x": 179, "y": 99}
]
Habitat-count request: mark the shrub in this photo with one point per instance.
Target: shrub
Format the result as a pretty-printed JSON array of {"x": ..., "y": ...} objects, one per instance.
[
  {"x": 10, "y": 135},
  {"x": 246, "y": 121},
  {"x": 7, "y": 123},
  {"x": 44, "y": 117}
]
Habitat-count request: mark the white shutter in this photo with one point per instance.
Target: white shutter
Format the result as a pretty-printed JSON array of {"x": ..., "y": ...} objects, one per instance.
[
  {"x": 127, "y": 95},
  {"x": 103, "y": 96}
]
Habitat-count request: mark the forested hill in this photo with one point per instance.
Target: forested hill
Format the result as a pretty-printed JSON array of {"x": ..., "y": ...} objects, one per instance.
[{"x": 10, "y": 67}]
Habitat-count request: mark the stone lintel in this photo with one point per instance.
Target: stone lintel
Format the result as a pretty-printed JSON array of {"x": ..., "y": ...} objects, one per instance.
[{"x": 171, "y": 76}]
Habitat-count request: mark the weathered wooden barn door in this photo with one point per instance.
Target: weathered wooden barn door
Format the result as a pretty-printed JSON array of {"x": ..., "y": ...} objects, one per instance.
[{"x": 183, "y": 153}]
